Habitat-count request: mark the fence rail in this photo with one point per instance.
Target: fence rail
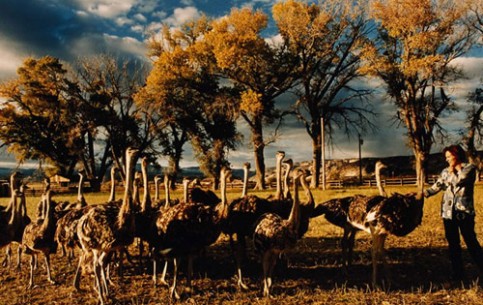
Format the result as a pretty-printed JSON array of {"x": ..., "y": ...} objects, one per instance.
[{"x": 332, "y": 183}]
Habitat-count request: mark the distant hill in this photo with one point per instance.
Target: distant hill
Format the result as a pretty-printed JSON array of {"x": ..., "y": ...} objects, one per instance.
[{"x": 398, "y": 166}]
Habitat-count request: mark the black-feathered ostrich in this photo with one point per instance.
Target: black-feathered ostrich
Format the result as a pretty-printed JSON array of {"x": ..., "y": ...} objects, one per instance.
[
  {"x": 243, "y": 213},
  {"x": 274, "y": 235},
  {"x": 105, "y": 229},
  {"x": 398, "y": 215},
  {"x": 187, "y": 228},
  {"x": 337, "y": 210}
]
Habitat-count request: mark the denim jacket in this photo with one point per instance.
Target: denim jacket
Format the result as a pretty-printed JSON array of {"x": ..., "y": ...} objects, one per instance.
[{"x": 458, "y": 195}]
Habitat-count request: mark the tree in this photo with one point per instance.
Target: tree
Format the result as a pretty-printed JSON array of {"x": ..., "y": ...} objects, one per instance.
[
  {"x": 412, "y": 55},
  {"x": 183, "y": 95},
  {"x": 217, "y": 133},
  {"x": 261, "y": 70},
  {"x": 110, "y": 118},
  {"x": 39, "y": 118},
  {"x": 475, "y": 19},
  {"x": 475, "y": 127},
  {"x": 326, "y": 39}
]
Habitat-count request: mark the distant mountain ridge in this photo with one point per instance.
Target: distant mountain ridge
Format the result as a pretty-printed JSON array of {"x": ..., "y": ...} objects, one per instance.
[{"x": 398, "y": 166}]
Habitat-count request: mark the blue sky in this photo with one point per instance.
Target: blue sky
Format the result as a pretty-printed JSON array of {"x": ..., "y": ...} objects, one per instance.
[{"x": 69, "y": 29}]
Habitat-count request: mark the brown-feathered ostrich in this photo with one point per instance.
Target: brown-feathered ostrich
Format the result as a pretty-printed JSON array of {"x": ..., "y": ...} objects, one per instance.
[
  {"x": 337, "y": 211},
  {"x": 38, "y": 237},
  {"x": 274, "y": 235},
  {"x": 66, "y": 231},
  {"x": 75, "y": 215},
  {"x": 105, "y": 229},
  {"x": 14, "y": 219},
  {"x": 187, "y": 228}
]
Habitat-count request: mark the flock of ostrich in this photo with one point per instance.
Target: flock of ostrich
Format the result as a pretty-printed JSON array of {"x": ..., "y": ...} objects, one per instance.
[{"x": 175, "y": 229}]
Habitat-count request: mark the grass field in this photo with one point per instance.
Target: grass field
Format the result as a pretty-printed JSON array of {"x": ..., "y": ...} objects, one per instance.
[{"x": 419, "y": 268}]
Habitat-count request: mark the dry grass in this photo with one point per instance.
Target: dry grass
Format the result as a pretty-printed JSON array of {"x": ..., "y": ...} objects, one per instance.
[{"x": 418, "y": 264}]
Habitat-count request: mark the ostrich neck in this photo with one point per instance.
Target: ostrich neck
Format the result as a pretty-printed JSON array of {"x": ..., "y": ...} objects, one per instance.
[
  {"x": 185, "y": 191},
  {"x": 286, "y": 179},
  {"x": 278, "y": 173},
  {"x": 112, "y": 196},
  {"x": 80, "y": 196},
  {"x": 308, "y": 193},
  {"x": 245, "y": 181},
  {"x": 156, "y": 189},
  {"x": 223, "y": 214},
  {"x": 166, "y": 191},
  {"x": 146, "y": 204},
  {"x": 127, "y": 202},
  {"x": 382, "y": 191},
  {"x": 49, "y": 213},
  {"x": 294, "y": 218},
  {"x": 13, "y": 209}
]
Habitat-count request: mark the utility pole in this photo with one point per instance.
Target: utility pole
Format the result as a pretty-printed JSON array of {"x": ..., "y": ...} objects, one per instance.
[{"x": 360, "y": 159}]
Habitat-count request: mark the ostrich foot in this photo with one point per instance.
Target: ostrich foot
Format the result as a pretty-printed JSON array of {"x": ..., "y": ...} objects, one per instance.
[
  {"x": 242, "y": 285},
  {"x": 173, "y": 293}
]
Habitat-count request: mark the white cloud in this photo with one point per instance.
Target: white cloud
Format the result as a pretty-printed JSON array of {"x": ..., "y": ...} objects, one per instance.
[
  {"x": 10, "y": 59},
  {"x": 118, "y": 46},
  {"x": 160, "y": 14},
  {"x": 107, "y": 8},
  {"x": 275, "y": 40},
  {"x": 147, "y": 6},
  {"x": 140, "y": 17},
  {"x": 122, "y": 21},
  {"x": 182, "y": 15},
  {"x": 472, "y": 68}
]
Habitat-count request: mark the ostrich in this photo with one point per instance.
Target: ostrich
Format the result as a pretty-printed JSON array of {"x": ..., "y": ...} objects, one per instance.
[
  {"x": 274, "y": 235},
  {"x": 14, "y": 219},
  {"x": 244, "y": 212},
  {"x": 186, "y": 228},
  {"x": 38, "y": 237},
  {"x": 337, "y": 211},
  {"x": 66, "y": 231},
  {"x": 398, "y": 215},
  {"x": 208, "y": 197},
  {"x": 155, "y": 249},
  {"x": 146, "y": 213},
  {"x": 108, "y": 228},
  {"x": 242, "y": 215}
]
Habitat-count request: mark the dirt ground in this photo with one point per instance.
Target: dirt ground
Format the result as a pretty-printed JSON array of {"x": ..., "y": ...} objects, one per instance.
[{"x": 312, "y": 274}]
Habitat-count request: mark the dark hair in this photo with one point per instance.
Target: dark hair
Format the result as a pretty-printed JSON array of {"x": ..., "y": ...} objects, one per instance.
[{"x": 456, "y": 151}]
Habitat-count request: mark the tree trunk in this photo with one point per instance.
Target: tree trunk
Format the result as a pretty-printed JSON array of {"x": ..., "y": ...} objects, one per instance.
[
  {"x": 316, "y": 160},
  {"x": 421, "y": 171},
  {"x": 174, "y": 169},
  {"x": 258, "y": 150}
]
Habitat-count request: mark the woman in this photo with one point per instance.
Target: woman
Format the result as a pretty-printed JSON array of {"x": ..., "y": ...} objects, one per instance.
[{"x": 457, "y": 208}]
